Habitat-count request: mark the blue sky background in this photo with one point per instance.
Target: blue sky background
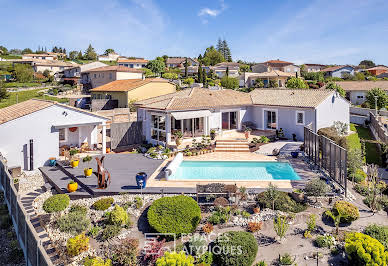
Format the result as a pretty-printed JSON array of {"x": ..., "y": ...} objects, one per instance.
[{"x": 314, "y": 31}]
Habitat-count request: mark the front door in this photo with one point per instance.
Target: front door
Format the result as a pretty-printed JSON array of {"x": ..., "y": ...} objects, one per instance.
[
  {"x": 229, "y": 120},
  {"x": 270, "y": 119}
]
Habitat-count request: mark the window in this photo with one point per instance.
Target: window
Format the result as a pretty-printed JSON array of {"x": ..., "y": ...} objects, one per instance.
[
  {"x": 110, "y": 76},
  {"x": 300, "y": 118},
  {"x": 62, "y": 134},
  {"x": 158, "y": 130},
  {"x": 360, "y": 97},
  {"x": 95, "y": 75},
  {"x": 288, "y": 70}
]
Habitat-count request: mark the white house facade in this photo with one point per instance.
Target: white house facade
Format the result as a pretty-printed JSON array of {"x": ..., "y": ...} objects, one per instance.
[{"x": 46, "y": 126}]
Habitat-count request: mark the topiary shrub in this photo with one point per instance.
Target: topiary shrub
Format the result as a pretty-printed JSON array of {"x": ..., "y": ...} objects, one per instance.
[
  {"x": 110, "y": 231},
  {"x": 103, "y": 204},
  {"x": 349, "y": 212},
  {"x": 97, "y": 261},
  {"x": 78, "y": 208},
  {"x": 73, "y": 223},
  {"x": 118, "y": 216},
  {"x": 364, "y": 250},
  {"x": 174, "y": 258},
  {"x": 56, "y": 203},
  {"x": 178, "y": 214},
  {"x": 77, "y": 245},
  {"x": 227, "y": 245},
  {"x": 316, "y": 187},
  {"x": 378, "y": 232}
]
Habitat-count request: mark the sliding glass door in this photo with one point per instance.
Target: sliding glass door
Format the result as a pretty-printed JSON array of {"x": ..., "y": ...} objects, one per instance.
[
  {"x": 229, "y": 120},
  {"x": 270, "y": 119}
]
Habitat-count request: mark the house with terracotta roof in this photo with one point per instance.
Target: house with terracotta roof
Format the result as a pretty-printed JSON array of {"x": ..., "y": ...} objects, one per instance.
[
  {"x": 377, "y": 70},
  {"x": 108, "y": 57},
  {"x": 338, "y": 71},
  {"x": 196, "y": 111},
  {"x": 126, "y": 91},
  {"x": 278, "y": 65},
  {"x": 40, "y": 65},
  {"x": 132, "y": 62},
  {"x": 102, "y": 75},
  {"x": 356, "y": 91},
  {"x": 74, "y": 75},
  {"x": 221, "y": 68},
  {"x": 42, "y": 56},
  {"x": 249, "y": 79},
  {"x": 41, "y": 128},
  {"x": 314, "y": 67},
  {"x": 174, "y": 62}
]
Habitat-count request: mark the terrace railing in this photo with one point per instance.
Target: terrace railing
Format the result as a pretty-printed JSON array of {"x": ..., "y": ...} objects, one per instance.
[
  {"x": 327, "y": 155},
  {"x": 34, "y": 252}
]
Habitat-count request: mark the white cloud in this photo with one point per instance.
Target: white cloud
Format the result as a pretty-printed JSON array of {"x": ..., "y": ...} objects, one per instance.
[{"x": 209, "y": 12}]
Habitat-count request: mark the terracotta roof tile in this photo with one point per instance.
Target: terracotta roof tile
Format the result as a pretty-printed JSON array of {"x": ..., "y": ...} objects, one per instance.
[
  {"x": 127, "y": 84},
  {"x": 288, "y": 97},
  {"x": 363, "y": 85}
]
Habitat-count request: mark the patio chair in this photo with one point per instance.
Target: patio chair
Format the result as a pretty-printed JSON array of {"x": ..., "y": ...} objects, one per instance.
[{"x": 103, "y": 176}]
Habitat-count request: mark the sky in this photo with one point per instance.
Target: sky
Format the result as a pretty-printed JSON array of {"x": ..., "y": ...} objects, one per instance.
[{"x": 299, "y": 31}]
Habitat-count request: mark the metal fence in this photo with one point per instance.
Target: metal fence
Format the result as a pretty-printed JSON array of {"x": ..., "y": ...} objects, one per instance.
[
  {"x": 30, "y": 243},
  {"x": 327, "y": 155}
]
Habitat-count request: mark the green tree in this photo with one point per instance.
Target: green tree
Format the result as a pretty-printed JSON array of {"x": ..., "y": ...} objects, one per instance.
[
  {"x": 227, "y": 71},
  {"x": 296, "y": 83},
  {"x": 3, "y": 50},
  {"x": 73, "y": 55},
  {"x": 259, "y": 83},
  {"x": 27, "y": 51},
  {"x": 212, "y": 57},
  {"x": 382, "y": 98},
  {"x": 367, "y": 63},
  {"x": 186, "y": 64},
  {"x": 23, "y": 73},
  {"x": 156, "y": 66},
  {"x": 90, "y": 53},
  {"x": 227, "y": 53},
  {"x": 200, "y": 74},
  {"x": 359, "y": 76},
  {"x": 229, "y": 83},
  {"x": 245, "y": 68},
  {"x": 3, "y": 92},
  {"x": 148, "y": 73},
  {"x": 170, "y": 76},
  {"x": 80, "y": 56},
  {"x": 46, "y": 73},
  {"x": 334, "y": 86},
  {"x": 109, "y": 51},
  {"x": 272, "y": 84}
]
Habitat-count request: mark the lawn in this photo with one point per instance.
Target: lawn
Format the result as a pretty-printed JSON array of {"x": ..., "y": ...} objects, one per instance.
[
  {"x": 22, "y": 96},
  {"x": 21, "y": 84},
  {"x": 372, "y": 152}
]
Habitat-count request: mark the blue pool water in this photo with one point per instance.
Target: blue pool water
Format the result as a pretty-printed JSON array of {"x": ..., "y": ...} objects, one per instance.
[{"x": 243, "y": 171}]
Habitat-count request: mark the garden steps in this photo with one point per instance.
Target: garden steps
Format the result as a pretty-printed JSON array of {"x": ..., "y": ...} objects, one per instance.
[{"x": 232, "y": 146}]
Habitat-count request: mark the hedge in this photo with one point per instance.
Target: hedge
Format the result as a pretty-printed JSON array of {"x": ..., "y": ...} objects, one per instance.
[
  {"x": 175, "y": 215},
  {"x": 56, "y": 203},
  {"x": 235, "y": 248}
]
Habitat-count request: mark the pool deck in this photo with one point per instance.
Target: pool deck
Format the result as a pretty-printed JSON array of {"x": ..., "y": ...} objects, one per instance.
[{"x": 124, "y": 167}]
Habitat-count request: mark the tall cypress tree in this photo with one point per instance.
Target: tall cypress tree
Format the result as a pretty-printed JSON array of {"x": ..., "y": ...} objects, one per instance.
[
  {"x": 186, "y": 65},
  {"x": 227, "y": 71},
  {"x": 200, "y": 74},
  {"x": 220, "y": 46},
  {"x": 226, "y": 51}
]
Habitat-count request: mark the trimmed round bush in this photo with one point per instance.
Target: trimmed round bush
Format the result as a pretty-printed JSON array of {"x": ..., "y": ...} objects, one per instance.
[
  {"x": 235, "y": 248},
  {"x": 349, "y": 211},
  {"x": 178, "y": 215},
  {"x": 77, "y": 245},
  {"x": 103, "y": 204},
  {"x": 365, "y": 250},
  {"x": 118, "y": 216},
  {"x": 174, "y": 258},
  {"x": 56, "y": 203}
]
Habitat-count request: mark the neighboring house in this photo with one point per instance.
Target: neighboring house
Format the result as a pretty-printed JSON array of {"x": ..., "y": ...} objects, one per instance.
[
  {"x": 132, "y": 63},
  {"x": 314, "y": 67},
  {"x": 338, "y": 71},
  {"x": 108, "y": 57},
  {"x": 39, "y": 65},
  {"x": 76, "y": 73},
  {"x": 356, "y": 91},
  {"x": 196, "y": 111},
  {"x": 377, "y": 70},
  {"x": 39, "y": 128},
  {"x": 126, "y": 91},
  {"x": 179, "y": 62},
  {"x": 102, "y": 75},
  {"x": 220, "y": 69},
  {"x": 44, "y": 56},
  {"x": 383, "y": 75},
  {"x": 279, "y": 65},
  {"x": 248, "y": 79},
  {"x": 191, "y": 70}
]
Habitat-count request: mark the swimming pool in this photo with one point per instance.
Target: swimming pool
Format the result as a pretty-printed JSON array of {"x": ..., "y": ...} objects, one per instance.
[{"x": 234, "y": 171}]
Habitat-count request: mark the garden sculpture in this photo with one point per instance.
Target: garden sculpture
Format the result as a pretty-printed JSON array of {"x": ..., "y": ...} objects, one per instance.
[{"x": 103, "y": 176}]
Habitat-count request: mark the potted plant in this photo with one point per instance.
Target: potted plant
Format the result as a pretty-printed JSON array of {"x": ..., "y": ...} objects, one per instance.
[
  {"x": 52, "y": 161},
  {"x": 16, "y": 183},
  {"x": 294, "y": 137},
  {"x": 74, "y": 161},
  {"x": 87, "y": 171},
  {"x": 247, "y": 132},
  {"x": 212, "y": 134},
  {"x": 72, "y": 186},
  {"x": 178, "y": 137},
  {"x": 294, "y": 154}
]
